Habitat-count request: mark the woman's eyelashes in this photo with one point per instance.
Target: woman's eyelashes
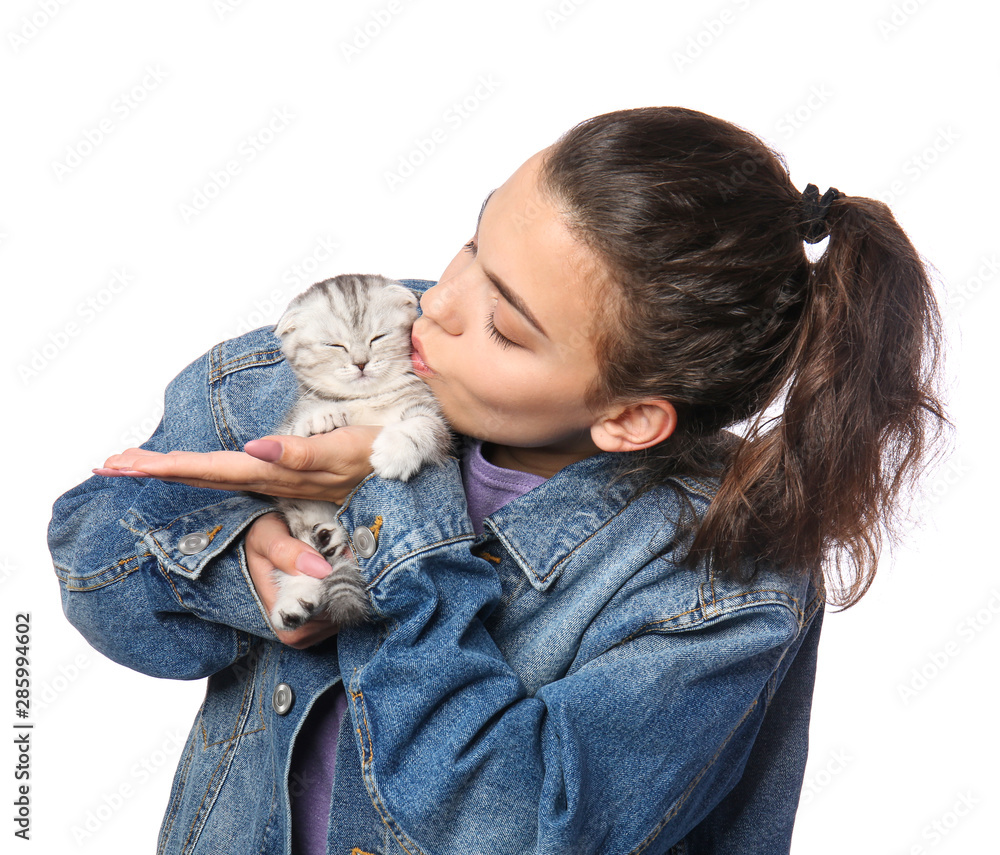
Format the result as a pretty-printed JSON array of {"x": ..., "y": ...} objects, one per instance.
[
  {"x": 491, "y": 329},
  {"x": 498, "y": 336}
]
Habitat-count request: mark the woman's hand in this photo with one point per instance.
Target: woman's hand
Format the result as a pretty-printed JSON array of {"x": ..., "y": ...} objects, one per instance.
[
  {"x": 269, "y": 546},
  {"x": 326, "y": 466}
]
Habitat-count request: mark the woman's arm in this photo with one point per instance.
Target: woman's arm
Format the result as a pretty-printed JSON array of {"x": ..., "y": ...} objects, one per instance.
[
  {"x": 154, "y": 574},
  {"x": 631, "y": 748}
]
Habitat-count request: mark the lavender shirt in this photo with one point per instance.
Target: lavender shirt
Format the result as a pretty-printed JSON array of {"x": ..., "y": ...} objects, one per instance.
[{"x": 487, "y": 489}]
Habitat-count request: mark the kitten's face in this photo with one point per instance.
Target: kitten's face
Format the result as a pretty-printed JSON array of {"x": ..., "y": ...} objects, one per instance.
[{"x": 348, "y": 336}]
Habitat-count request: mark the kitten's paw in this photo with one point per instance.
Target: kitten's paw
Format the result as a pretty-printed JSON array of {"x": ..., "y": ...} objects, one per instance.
[
  {"x": 320, "y": 422},
  {"x": 395, "y": 455},
  {"x": 299, "y": 600},
  {"x": 330, "y": 540}
]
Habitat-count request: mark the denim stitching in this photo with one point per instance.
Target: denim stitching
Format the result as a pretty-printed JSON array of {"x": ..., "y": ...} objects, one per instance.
[
  {"x": 175, "y": 802},
  {"x": 815, "y": 605},
  {"x": 392, "y": 565},
  {"x": 694, "y": 783},
  {"x": 357, "y": 696},
  {"x": 524, "y": 561},
  {"x": 642, "y": 630},
  {"x": 68, "y": 579},
  {"x": 217, "y": 407},
  {"x": 367, "y": 773},
  {"x": 236, "y": 724},
  {"x": 647, "y": 627},
  {"x": 218, "y": 370},
  {"x": 229, "y": 743},
  {"x": 201, "y": 804},
  {"x": 593, "y": 534}
]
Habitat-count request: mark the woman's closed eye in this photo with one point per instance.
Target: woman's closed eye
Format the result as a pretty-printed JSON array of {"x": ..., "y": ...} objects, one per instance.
[{"x": 498, "y": 336}]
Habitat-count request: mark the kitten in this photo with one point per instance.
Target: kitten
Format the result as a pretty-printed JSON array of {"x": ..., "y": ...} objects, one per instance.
[{"x": 347, "y": 340}]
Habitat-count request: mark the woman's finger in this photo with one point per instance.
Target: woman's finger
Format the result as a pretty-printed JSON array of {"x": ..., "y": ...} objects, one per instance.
[
  {"x": 325, "y": 466},
  {"x": 345, "y": 451},
  {"x": 269, "y": 548}
]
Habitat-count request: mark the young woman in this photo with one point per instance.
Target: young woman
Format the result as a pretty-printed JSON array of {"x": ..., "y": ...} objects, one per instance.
[{"x": 597, "y": 631}]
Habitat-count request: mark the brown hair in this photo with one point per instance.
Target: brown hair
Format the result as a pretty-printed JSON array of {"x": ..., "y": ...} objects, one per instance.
[{"x": 720, "y": 311}]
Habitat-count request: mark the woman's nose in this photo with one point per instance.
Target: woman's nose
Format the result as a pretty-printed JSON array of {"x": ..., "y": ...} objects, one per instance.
[{"x": 442, "y": 305}]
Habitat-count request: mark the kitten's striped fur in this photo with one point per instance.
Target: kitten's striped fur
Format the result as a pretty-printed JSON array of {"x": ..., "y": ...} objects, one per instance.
[{"x": 347, "y": 339}]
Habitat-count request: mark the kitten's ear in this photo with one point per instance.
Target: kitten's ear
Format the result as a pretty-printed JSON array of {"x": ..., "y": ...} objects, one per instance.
[
  {"x": 288, "y": 321},
  {"x": 411, "y": 298}
]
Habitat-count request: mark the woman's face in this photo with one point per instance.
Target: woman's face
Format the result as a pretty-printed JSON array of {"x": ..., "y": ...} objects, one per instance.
[{"x": 506, "y": 338}]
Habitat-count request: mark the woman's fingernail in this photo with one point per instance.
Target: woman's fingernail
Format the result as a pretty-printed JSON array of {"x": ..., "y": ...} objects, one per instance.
[
  {"x": 313, "y": 565},
  {"x": 263, "y": 449},
  {"x": 114, "y": 473}
]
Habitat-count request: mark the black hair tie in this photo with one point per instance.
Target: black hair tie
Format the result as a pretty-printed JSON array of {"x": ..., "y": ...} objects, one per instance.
[{"x": 814, "y": 211}]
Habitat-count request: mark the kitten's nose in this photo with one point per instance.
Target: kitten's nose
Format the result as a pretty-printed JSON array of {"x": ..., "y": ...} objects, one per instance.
[{"x": 361, "y": 366}]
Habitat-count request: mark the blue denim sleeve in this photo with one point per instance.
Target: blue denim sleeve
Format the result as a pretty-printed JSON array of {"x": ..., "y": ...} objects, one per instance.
[
  {"x": 153, "y": 574},
  {"x": 624, "y": 753}
]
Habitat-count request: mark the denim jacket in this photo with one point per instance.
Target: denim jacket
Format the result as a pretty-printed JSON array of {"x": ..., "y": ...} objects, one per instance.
[{"x": 559, "y": 684}]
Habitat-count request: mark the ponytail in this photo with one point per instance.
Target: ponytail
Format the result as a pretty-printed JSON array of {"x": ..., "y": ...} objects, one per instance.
[
  {"x": 859, "y": 413},
  {"x": 719, "y": 311}
]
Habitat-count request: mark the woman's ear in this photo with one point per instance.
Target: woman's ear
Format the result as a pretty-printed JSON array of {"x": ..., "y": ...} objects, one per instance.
[{"x": 635, "y": 426}]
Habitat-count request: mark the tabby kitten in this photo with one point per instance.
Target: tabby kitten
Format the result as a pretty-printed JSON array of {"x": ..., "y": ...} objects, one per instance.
[{"x": 347, "y": 340}]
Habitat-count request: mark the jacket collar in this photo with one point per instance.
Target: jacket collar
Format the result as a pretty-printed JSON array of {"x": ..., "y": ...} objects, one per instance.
[{"x": 546, "y": 527}]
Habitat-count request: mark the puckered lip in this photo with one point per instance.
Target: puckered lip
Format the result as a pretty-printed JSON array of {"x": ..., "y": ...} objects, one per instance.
[{"x": 420, "y": 365}]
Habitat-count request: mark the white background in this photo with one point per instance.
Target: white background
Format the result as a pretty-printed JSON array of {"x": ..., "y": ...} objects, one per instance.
[{"x": 879, "y": 99}]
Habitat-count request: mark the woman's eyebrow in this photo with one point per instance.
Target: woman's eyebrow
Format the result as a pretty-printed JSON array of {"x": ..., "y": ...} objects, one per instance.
[{"x": 519, "y": 304}]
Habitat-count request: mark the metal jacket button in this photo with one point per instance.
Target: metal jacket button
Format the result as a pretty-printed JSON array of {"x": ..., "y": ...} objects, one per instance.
[
  {"x": 282, "y": 699},
  {"x": 193, "y": 543},
  {"x": 364, "y": 541}
]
